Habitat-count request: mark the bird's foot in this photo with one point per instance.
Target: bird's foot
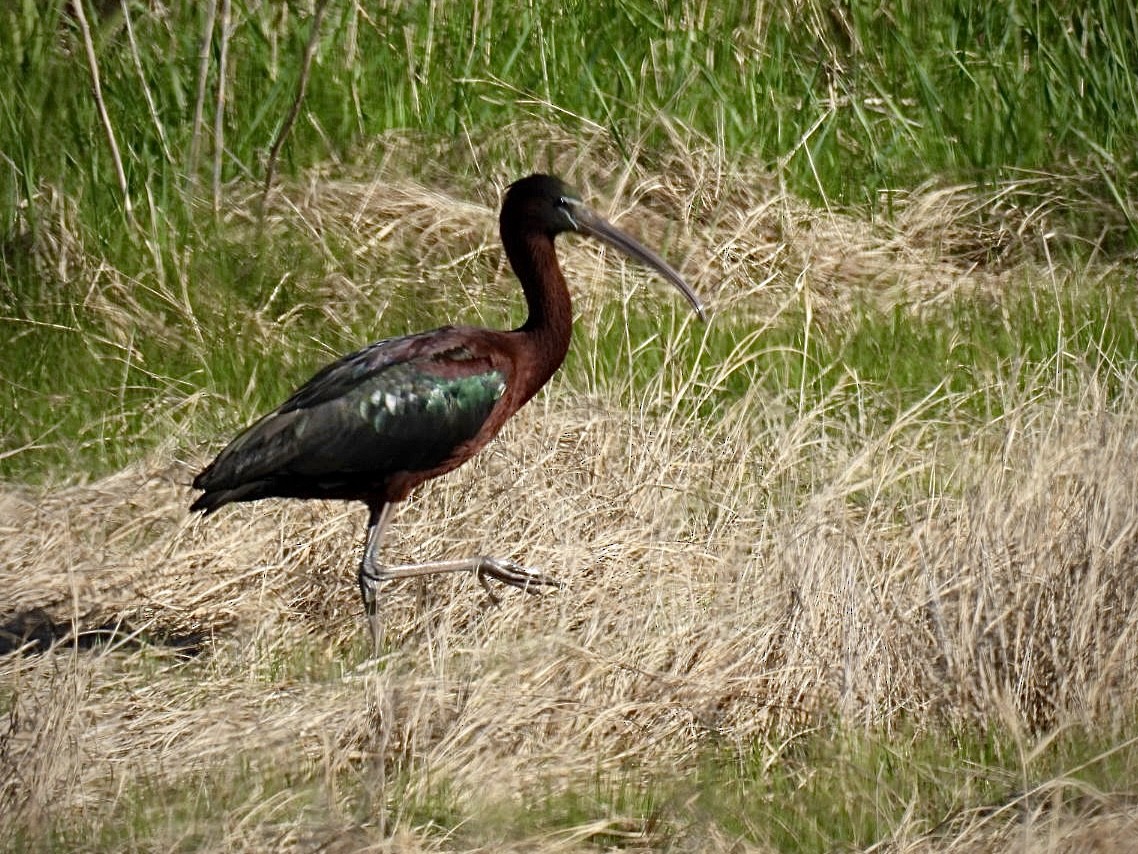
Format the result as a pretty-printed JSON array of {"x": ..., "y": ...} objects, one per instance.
[{"x": 511, "y": 573}]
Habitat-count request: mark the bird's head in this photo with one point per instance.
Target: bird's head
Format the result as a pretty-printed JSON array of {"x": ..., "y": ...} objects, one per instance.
[{"x": 548, "y": 205}]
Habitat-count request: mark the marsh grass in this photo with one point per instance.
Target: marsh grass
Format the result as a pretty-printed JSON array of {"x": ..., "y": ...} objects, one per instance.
[
  {"x": 972, "y": 139},
  {"x": 788, "y": 628},
  {"x": 850, "y": 566}
]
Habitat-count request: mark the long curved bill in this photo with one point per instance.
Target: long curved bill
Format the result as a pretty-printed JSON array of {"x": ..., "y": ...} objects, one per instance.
[{"x": 589, "y": 223}]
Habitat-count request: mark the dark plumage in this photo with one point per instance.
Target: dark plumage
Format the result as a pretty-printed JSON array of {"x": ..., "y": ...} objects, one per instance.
[
  {"x": 400, "y": 406},
  {"x": 377, "y": 423}
]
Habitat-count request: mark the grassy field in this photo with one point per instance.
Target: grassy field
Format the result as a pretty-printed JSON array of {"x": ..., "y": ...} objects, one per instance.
[{"x": 849, "y": 567}]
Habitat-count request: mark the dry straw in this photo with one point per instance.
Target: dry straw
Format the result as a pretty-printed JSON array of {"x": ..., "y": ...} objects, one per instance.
[{"x": 734, "y": 581}]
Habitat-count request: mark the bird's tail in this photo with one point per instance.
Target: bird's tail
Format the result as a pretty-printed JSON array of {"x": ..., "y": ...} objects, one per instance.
[{"x": 213, "y": 499}]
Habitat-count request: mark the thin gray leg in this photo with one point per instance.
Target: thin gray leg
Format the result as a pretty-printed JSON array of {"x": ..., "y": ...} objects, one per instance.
[
  {"x": 372, "y": 574},
  {"x": 368, "y": 576},
  {"x": 499, "y": 569}
]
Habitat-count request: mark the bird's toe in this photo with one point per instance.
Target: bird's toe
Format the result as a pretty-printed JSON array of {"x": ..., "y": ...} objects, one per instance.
[{"x": 515, "y": 575}]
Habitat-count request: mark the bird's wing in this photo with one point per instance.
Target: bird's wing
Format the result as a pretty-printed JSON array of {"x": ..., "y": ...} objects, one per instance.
[
  {"x": 347, "y": 372},
  {"x": 403, "y": 404}
]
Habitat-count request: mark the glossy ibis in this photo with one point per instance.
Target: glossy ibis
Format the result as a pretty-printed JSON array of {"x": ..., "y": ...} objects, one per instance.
[{"x": 377, "y": 423}]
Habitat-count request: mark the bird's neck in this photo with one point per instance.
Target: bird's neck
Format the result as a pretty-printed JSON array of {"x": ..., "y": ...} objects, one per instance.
[{"x": 549, "y": 326}]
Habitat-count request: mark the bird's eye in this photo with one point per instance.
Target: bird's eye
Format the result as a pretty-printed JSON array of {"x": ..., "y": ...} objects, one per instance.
[{"x": 566, "y": 209}]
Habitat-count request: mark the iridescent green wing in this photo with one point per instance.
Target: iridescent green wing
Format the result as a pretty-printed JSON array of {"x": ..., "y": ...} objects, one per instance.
[
  {"x": 404, "y": 404},
  {"x": 414, "y": 415}
]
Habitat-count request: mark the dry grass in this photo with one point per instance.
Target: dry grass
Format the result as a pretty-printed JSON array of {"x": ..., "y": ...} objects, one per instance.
[
  {"x": 741, "y": 241},
  {"x": 738, "y": 582}
]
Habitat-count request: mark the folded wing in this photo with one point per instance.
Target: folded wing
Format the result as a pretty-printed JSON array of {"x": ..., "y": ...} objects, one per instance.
[{"x": 400, "y": 405}]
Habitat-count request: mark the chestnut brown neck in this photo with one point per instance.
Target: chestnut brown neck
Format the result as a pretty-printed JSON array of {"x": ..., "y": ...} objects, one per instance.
[{"x": 548, "y": 328}]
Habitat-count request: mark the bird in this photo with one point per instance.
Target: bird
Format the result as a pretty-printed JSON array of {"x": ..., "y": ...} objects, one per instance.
[{"x": 377, "y": 423}]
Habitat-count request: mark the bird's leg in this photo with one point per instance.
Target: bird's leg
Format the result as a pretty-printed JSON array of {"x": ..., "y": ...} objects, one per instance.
[
  {"x": 498, "y": 569},
  {"x": 370, "y": 574}
]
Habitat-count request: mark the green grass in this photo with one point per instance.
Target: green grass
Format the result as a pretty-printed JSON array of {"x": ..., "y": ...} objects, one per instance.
[
  {"x": 848, "y": 99},
  {"x": 133, "y": 392},
  {"x": 840, "y": 789},
  {"x": 896, "y": 357},
  {"x": 843, "y": 102},
  {"x": 833, "y": 788},
  {"x": 830, "y": 789}
]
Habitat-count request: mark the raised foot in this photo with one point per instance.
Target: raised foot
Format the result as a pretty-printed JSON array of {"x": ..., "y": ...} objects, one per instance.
[{"x": 513, "y": 574}]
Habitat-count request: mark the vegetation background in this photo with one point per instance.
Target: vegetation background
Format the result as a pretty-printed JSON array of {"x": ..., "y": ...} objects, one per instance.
[{"x": 850, "y": 567}]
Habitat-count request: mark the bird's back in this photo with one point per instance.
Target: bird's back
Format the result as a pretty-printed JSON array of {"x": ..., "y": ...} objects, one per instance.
[{"x": 368, "y": 426}]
